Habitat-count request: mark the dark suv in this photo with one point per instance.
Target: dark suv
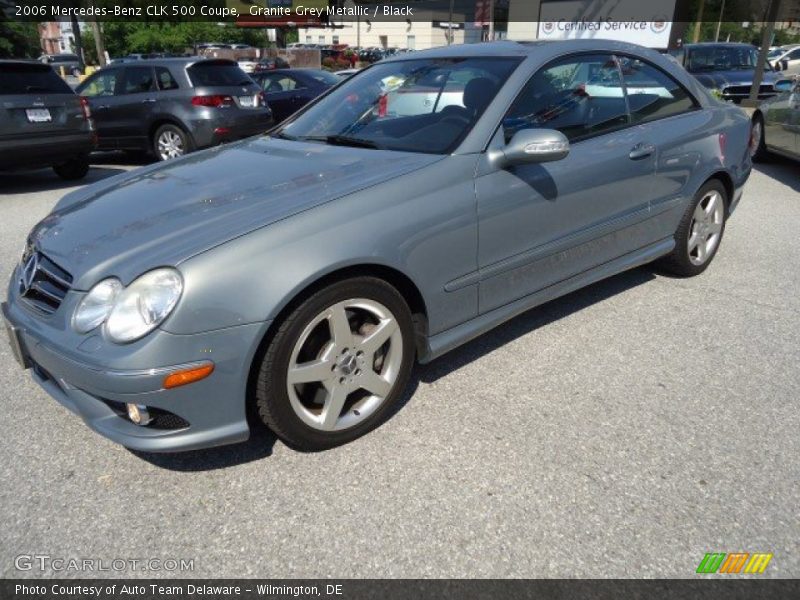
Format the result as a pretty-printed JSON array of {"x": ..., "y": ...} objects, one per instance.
[
  {"x": 171, "y": 106},
  {"x": 42, "y": 121}
]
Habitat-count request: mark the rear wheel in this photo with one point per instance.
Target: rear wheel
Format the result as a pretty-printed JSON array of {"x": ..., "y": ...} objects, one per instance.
[
  {"x": 337, "y": 364},
  {"x": 170, "y": 141},
  {"x": 75, "y": 168},
  {"x": 700, "y": 231}
]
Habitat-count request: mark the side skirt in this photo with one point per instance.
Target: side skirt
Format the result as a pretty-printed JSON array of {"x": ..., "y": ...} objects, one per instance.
[{"x": 445, "y": 341}]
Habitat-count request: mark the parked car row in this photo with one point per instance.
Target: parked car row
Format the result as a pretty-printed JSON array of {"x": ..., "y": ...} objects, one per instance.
[{"x": 166, "y": 107}]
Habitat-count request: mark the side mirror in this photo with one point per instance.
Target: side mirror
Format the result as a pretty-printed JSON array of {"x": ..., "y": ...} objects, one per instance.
[{"x": 533, "y": 146}]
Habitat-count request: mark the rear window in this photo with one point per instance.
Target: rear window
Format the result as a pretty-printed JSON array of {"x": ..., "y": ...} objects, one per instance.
[
  {"x": 64, "y": 58},
  {"x": 324, "y": 77},
  {"x": 31, "y": 79},
  {"x": 207, "y": 74}
]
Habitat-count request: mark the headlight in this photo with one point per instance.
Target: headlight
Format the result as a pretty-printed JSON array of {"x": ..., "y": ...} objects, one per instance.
[
  {"x": 144, "y": 304},
  {"x": 96, "y": 305}
]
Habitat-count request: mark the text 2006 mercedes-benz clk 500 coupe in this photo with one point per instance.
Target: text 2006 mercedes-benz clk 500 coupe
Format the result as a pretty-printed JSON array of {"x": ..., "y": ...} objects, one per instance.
[{"x": 298, "y": 276}]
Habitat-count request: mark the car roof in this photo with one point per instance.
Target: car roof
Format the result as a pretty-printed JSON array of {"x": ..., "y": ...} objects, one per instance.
[
  {"x": 184, "y": 61},
  {"x": 28, "y": 63},
  {"x": 541, "y": 48},
  {"x": 722, "y": 44}
]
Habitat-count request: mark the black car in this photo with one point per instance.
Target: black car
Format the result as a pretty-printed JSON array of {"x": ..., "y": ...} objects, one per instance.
[
  {"x": 172, "y": 106},
  {"x": 288, "y": 90},
  {"x": 43, "y": 123}
]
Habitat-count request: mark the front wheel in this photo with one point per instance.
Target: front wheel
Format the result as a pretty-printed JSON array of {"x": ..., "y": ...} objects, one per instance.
[
  {"x": 337, "y": 364},
  {"x": 700, "y": 231}
]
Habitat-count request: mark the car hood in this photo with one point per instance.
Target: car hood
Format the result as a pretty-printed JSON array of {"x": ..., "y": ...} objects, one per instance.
[
  {"x": 719, "y": 79},
  {"x": 165, "y": 213}
]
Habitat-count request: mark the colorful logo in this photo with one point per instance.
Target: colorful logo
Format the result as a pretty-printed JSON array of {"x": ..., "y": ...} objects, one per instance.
[
  {"x": 658, "y": 26},
  {"x": 734, "y": 562}
]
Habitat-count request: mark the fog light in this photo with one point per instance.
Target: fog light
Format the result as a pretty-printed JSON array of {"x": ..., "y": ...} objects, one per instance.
[{"x": 138, "y": 414}]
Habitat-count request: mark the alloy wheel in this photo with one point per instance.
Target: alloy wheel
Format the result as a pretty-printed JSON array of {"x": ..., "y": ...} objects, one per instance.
[
  {"x": 344, "y": 364},
  {"x": 706, "y": 227},
  {"x": 170, "y": 145}
]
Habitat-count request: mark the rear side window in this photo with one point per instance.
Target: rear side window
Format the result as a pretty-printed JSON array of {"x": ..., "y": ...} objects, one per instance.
[
  {"x": 31, "y": 79},
  {"x": 165, "y": 79},
  {"x": 207, "y": 74},
  {"x": 280, "y": 83},
  {"x": 138, "y": 80},
  {"x": 580, "y": 96},
  {"x": 652, "y": 94}
]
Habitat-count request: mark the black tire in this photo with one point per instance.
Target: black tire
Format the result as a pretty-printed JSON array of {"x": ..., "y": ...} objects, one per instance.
[
  {"x": 166, "y": 129},
  {"x": 760, "y": 153},
  {"x": 272, "y": 398},
  {"x": 679, "y": 262},
  {"x": 75, "y": 168}
]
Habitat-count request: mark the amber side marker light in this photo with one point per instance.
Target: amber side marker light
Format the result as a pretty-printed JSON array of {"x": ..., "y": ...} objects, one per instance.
[{"x": 187, "y": 376}]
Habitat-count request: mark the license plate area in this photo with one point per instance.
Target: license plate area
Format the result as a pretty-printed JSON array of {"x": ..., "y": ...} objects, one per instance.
[
  {"x": 15, "y": 341},
  {"x": 247, "y": 101},
  {"x": 38, "y": 115}
]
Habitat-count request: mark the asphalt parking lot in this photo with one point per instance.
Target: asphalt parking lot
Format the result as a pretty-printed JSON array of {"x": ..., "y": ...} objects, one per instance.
[{"x": 622, "y": 431}]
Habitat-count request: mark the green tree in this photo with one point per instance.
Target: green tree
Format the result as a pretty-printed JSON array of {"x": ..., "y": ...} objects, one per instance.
[{"x": 18, "y": 39}]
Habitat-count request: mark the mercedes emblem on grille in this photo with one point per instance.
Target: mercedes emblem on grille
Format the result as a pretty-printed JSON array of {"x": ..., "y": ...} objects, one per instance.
[{"x": 28, "y": 273}]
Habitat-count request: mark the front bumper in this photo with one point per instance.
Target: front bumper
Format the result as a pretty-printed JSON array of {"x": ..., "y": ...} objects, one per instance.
[{"x": 95, "y": 380}]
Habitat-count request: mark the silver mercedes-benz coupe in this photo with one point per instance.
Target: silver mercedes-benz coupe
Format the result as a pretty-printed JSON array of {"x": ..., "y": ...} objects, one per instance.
[{"x": 296, "y": 277}]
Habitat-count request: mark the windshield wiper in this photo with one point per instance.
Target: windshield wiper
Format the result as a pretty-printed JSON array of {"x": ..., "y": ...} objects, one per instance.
[
  {"x": 344, "y": 140},
  {"x": 334, "y": 140}
]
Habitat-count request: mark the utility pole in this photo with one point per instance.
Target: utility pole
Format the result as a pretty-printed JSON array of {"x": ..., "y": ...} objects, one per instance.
[
  {"x": 719, "y": 23},
  {"x": 699, "y": 23},
  {"x": 766, "y": 37},
  {"x": 491, "y": 20},
  {"x": 450, "y": 25},
  {"x": 98, "y": 42},
  {"x": 78, "y": 49}
]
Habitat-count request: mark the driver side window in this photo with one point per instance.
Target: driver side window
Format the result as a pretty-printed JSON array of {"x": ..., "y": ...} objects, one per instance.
[
  {"x": 580, "y": 96},
  {"x": 104, "y": 84}
]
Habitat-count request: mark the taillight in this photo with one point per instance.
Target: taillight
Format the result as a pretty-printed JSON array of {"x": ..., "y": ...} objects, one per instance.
[
  {"x": 214, "y": 101},
  {"x": 87, "y": 110},
  {"x": 262, "y": 99},
  {"x": 723, "y": 143}
]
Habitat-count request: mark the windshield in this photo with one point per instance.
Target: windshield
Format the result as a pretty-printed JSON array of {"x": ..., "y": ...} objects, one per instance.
[
  {"x": 721, "y": 58},
  {"x": 425, "y": 105}
]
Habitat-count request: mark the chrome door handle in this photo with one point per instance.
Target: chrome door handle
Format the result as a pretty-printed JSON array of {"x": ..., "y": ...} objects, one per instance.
[
  {"x": 641, "y": 150},
  {"x": 102, "y": 107},
  {"x": 148, "y": 100}
]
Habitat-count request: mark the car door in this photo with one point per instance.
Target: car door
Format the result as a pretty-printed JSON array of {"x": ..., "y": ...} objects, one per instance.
[
  {"x": 543, "y": 223},
  {"x": 283, "y": 94},
  {"x": 101, "y": 91},
  {"x": 670, "y": 118},
  {"x": 138, "y": 98},
  {"x": 782, "y": 122}
]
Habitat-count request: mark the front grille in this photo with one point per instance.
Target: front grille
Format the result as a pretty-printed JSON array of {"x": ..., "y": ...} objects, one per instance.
[
  {"x": 744, "y": 91},
  {"x": 43, "y": 284}
]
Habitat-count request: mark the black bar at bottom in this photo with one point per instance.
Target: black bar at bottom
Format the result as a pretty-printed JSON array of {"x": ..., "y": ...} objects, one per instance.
[{"x": 383, "y": 589}]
